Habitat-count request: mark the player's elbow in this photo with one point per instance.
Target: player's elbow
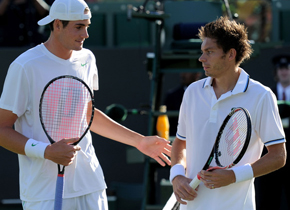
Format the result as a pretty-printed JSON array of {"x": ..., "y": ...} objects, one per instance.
[
  {"x": 281, "y": 159},
  {"x": 278, "y": 155},
  {"x": 284, "y": 159}
]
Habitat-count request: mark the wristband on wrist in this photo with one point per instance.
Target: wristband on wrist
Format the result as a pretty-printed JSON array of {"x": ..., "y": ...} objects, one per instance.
[
  {"x": 243, "y": 173},
  {"x": 176, "y": 170},
  {"x": 35, "y": 148}
]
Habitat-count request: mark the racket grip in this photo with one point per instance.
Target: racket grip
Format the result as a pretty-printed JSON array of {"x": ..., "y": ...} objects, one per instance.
[
  {"x": 59, "y": 192},
  {"x": 195, "y": 182},
  {"x": 172, "y": 203}
]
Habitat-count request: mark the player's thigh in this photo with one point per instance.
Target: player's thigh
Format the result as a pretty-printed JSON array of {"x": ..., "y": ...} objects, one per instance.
[
  {"x": 67, "y": 204},
  {"x": 93, "y": 201},
  {"x": 49, "y": 204}
]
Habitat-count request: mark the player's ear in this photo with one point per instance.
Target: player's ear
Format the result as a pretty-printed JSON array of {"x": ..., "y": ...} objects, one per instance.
[
  {"x": 232, "y": 54},
  {"x": 57, "y": 24}
]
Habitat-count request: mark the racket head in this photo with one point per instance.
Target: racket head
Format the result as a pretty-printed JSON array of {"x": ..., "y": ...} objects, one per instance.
[
  {"x": 233, "y": 138},
  {"x": 66, "y": 108}
]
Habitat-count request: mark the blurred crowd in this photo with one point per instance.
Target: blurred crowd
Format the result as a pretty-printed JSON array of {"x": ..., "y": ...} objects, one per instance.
[{"x": 18, "y": 22}]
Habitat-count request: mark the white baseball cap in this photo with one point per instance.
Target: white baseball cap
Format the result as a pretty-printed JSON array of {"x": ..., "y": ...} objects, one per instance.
[{"x": 66, "y": 10}]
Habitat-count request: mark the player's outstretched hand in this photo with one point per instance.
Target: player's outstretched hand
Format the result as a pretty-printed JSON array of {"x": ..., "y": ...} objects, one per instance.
[
  {"x": 156, "y": 148},
  {"x": 62, "y": 152}
]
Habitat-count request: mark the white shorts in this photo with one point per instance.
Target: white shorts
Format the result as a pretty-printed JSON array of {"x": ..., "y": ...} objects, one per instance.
[{"x": 94, "y": 201}]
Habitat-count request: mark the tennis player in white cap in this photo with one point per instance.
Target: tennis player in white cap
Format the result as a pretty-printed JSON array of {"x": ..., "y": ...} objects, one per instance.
[{"x": 61, "y": 54}]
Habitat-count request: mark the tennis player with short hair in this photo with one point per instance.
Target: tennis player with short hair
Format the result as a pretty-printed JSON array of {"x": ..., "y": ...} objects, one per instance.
[
  {"x": 61, "y": 54},
  {"x": 206, "y": 103}
]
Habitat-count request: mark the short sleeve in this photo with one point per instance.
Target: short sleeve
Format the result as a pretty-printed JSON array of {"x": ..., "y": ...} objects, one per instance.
[
  {"x": 181, "y": 127},
  {"x": 15, "y": 95},
  {"x": 93, "y": 72},
  {"x": 269, "y": 124},
  {"x": 95, "y": 79}
]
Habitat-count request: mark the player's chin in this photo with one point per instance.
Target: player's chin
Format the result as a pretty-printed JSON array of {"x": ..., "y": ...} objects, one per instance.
[
  {"x": 79, "y": 46},
  {"x": 207, "y": 73}
]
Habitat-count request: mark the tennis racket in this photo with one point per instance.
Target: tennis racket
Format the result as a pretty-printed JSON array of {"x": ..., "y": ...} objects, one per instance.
[
  {"x": 66, "y": 110},
  {"x": 230, "y": 146}
]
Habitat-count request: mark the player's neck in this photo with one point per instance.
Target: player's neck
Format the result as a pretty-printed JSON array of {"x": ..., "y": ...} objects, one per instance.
[
  {"x": 226, "y": 82},
  {"x": 57, "y": 49}
]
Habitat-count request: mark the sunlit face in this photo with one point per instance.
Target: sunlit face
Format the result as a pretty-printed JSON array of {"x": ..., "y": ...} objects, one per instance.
[
  {"x": 72, "y": 37},
  {"x": 283, "y": 75},
  {"x": 212, "y": 58}
]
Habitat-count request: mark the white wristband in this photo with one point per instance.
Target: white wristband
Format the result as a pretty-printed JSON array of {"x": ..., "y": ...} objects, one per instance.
[
  {"x": 243, "y": 173},
  {"x": 176, "y": 170},
  {"x": 35, "y": 148}
]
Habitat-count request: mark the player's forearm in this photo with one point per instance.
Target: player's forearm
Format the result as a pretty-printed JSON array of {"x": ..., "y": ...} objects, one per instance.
[
  {"x": 12, "y": 140},
  {"x": 108, "y": 128},
  {"x": 178, "y": 153},
  {"x": 272, "y": 161},
  {"x": 9, "y": 138}
]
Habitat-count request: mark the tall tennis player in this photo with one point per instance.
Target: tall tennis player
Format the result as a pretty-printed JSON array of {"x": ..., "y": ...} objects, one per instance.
[{"x": 62, "y": 54}]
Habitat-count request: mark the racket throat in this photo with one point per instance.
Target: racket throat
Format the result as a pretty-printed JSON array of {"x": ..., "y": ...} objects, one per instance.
[{"x": 60, "y": 170}]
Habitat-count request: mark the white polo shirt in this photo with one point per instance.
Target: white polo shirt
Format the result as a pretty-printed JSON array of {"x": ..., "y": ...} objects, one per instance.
[{"x": 201, "y": 115}]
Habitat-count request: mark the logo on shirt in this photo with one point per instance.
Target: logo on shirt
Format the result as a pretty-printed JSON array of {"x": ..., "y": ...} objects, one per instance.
[{"x": 84, "y": 64}]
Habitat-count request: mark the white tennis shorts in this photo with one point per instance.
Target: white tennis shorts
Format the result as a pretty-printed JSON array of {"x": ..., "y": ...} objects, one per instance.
[{"x": 94, "y": 201}]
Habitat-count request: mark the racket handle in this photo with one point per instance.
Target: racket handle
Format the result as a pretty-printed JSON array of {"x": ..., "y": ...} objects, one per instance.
[
  {"x": 59, "y": 192},
  {"x": 172, "y": 203},
  {"x": 195, "y": 182}
]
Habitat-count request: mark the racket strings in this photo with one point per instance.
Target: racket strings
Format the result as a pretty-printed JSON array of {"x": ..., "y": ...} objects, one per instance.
[
  {"x": 232, "y": 139},
  {"x": 65, "y": 109}
]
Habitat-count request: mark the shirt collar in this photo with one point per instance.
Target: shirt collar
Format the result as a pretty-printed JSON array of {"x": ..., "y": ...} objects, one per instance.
[{"x": 241, "y": 85}]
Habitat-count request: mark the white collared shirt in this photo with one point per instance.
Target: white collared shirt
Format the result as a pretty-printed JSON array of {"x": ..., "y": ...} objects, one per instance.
[{"x": 201, "y": 115}]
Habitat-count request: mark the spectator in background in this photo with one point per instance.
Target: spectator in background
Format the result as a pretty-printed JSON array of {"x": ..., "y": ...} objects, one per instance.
[
  {"x": 272, "y": 187},
  {"x": 18, "y": 22},
  {"x": 282, "y": 76},
  {"x": 174, "y": 96}
]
